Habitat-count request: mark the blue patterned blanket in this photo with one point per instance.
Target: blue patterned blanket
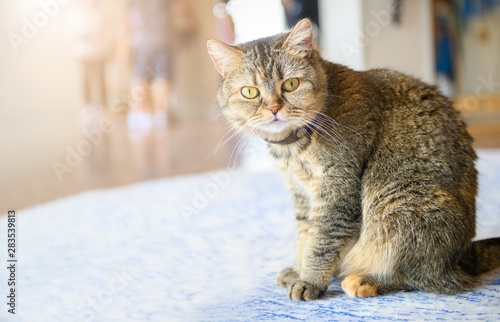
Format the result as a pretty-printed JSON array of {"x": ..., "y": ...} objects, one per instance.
[{"x": 203, "y": 247}]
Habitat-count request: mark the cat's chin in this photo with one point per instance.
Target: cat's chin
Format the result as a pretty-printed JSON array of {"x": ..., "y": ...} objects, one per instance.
[
  {"x": 276, "y": 131},
  {"x": 275, "y": 127}
]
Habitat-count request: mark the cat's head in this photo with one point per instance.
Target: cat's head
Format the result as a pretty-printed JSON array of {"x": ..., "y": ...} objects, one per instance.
[{"x": 273, "y": 86}]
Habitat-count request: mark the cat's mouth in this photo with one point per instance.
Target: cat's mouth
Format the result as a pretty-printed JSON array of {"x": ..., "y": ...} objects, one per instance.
[
  {"x": 278, "y": 121},
  {"x": 293, "y": 137},
  {"x": 280, "y": 131},
  {"x": 275, "y": 125}
]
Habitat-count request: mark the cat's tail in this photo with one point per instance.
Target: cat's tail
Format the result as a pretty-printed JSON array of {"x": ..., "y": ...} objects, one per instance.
[{"x": 483, "y": 256}]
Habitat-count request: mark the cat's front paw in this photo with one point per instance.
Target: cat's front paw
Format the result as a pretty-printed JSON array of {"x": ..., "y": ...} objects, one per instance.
[
  {"x": 287, "y": 276},
  {"x": 303, "y": 291}
]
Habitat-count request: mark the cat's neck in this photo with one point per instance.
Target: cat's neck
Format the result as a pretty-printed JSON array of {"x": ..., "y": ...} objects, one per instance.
[{"x": 295, "y": 136}]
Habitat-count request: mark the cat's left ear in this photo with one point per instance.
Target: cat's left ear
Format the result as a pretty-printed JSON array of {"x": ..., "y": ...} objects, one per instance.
[
  {"x": 300, "y": 38},
  {"x": 224, "y": 56}
]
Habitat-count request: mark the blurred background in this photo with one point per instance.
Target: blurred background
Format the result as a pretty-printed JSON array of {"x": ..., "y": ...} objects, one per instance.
[{"x": 101, "y": 93}]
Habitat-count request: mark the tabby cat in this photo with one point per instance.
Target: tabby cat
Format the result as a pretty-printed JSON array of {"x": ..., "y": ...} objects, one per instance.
[{"x": 379, "y": 164}]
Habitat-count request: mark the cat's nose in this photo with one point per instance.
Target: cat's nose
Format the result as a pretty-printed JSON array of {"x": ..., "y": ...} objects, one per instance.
[{"x": 274, "y": 108}]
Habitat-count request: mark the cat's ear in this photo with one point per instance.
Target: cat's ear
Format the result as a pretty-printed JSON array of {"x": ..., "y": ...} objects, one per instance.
[
  {"x": 300, "y": 38},
  {"x": 224, "y": 56}
]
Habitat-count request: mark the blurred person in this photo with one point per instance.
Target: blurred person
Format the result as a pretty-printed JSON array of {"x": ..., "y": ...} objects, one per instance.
[
  {"x": 88, "y": 29},
  {"x": 155, "y": 25}
]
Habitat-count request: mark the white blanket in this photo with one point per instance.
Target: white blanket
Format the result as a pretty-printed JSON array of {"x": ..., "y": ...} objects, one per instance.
[{"x": 202, "y": 247}]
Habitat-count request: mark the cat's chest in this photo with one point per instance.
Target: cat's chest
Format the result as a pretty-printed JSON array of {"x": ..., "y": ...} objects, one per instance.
[{"x": 302, "y": 174}]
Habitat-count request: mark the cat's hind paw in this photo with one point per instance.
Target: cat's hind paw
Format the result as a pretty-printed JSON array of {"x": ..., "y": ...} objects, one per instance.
[
  {"x": 355, "y": 286},
  {"x": 287, "y": 276},
  {"x": 303, "y": 291}
]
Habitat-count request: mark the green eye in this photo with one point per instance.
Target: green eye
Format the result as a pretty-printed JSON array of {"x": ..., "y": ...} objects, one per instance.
[
  {"x": 249, "y": 92},
  {"x": 291, "y": 84}
]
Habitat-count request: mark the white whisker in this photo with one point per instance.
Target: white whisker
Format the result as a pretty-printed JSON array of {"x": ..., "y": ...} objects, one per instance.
[
  {"x": 213, "y": 119},
  {"x": 219, "y": 146},
  {"x": 324, "y": 133},
  {"x": 238, "y": 147},
  {"x": 340, "y": 125}
]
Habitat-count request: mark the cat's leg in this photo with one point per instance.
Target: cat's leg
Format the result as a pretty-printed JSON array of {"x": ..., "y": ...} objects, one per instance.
[
  {"x": 302, "y": 228},
  {"x": 289, "y": 275},
  {"x": 330, "y": 231}
]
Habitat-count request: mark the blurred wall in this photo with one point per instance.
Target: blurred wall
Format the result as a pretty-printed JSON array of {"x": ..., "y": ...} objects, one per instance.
[
  {"x": 480, "y": 63},
  {"x": 361, "y": 35},
  {"x": 341, "y": 32},
  {"x": 407, "y": 46}
]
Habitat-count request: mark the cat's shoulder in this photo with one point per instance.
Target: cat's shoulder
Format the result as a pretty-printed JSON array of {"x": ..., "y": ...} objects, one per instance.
[
  {"x": 398, "y": 81},
  {"x": 405, "y": 87}
]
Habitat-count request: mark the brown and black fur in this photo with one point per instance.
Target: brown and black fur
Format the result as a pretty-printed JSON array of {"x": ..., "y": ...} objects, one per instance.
[{"x": 380, "y": 167}]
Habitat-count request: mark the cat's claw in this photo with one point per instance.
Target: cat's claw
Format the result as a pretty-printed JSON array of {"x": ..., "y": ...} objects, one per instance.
[
  {"x": 303, "y": 291},
  {"x": 287, "y": 276}
]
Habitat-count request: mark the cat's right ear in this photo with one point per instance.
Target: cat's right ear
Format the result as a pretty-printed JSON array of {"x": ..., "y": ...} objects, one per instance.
[
  {"x": 300, "y": 39},
  {"x": 224, "y": 56}
]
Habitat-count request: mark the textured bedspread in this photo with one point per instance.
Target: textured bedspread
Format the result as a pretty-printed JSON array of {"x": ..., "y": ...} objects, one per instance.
[{"x": 202, "y": 247}]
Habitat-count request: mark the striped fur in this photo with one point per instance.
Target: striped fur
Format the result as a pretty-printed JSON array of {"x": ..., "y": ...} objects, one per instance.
[{"x": 383, "y": 181}]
